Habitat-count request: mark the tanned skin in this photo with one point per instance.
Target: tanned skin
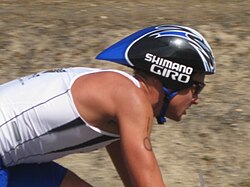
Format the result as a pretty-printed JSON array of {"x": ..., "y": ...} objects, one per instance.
[
  {"x": 111, "y": 107},
  {"x": 113, "y": 103}
]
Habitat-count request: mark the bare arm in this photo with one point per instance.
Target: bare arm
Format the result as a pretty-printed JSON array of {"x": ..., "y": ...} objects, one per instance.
[
  {"x": 140, "y": 160},
  {"x": 130, "y": 109},
  {"x": 135, "y": 123},
  {"x": 114, "y": 151}
]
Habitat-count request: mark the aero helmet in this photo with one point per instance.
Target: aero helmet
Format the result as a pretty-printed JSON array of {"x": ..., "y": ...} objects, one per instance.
[{"x": 173, "y": 53}]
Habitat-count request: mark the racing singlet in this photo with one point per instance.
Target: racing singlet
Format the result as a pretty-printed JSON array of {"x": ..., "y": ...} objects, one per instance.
[{"x": 39, "y": 121}]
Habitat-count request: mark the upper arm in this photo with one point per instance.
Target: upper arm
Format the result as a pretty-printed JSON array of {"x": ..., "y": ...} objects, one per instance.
[{"x": 134, "y": 116}]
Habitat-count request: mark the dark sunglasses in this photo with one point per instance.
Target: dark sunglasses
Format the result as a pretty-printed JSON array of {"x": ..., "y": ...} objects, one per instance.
[{"x": 198, "y": 87}]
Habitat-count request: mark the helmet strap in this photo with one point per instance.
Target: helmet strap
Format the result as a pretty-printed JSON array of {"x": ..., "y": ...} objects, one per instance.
[{"x": 161, "y": 119}]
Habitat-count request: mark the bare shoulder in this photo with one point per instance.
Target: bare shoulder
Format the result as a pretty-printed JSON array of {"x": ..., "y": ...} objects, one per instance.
[
  {"x": 109, "y": 95},
  {"x": 126, "y": 94},
  {"x": 132, "y": 107}
]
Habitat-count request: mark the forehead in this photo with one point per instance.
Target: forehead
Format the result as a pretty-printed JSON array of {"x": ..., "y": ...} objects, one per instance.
[{"x": 200, "y": 77}]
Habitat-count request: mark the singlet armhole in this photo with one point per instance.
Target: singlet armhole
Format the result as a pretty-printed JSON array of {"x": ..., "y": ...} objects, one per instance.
[{"x": 136, "y": 82}]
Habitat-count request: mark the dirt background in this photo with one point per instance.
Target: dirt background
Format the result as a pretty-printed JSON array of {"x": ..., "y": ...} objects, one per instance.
[{"x": 213, "y": 139}]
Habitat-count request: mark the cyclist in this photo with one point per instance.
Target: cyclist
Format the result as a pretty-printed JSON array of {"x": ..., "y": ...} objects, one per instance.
[{"x": 51, "y": 114}]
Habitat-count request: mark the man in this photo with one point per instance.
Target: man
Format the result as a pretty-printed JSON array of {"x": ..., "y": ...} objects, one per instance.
[{"x": 55, "y": 113}]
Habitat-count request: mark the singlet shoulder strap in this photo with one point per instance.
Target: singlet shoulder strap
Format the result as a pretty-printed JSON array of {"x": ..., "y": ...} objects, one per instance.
[
  {"x": 90, "y": 71},
  {"x": 134, "y": 80}
]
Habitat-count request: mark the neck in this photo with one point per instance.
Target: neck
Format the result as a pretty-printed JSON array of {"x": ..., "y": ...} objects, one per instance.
[{"x": 153, "y": 90}]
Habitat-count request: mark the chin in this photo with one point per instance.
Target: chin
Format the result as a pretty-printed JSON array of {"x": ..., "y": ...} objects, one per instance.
[{"x": 175, "y": 118}]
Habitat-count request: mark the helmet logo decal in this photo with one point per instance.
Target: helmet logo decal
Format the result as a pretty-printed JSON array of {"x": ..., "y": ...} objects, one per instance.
[{"x": 167, "y": 68}]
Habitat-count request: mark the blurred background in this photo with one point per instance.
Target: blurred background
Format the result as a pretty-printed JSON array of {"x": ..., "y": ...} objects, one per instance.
[{"x": 213, "y": 139}]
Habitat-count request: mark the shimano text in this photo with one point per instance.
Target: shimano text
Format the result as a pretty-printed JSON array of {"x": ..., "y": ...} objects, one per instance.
[{"x": 167, "y": 68}]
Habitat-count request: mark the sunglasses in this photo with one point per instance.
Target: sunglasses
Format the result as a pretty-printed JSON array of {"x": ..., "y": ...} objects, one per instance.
[{"x": 198, "y": 87}]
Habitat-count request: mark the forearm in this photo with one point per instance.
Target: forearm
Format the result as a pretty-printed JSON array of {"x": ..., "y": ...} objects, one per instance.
[
  {"x": 147, "y": 174},
  {"x": 142, "y": 166},
  {"x": 117, "y": 159}
]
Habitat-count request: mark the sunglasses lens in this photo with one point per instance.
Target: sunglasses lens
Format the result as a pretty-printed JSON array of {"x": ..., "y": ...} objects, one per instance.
[{"x": 198, "y": 87}]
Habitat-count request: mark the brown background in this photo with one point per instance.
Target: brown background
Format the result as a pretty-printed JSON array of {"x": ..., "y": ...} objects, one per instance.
[{"x": 213, "y": 139}]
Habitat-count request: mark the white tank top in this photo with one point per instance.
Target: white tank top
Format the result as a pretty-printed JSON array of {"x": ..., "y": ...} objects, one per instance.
[{"x": 39, "y": 121}]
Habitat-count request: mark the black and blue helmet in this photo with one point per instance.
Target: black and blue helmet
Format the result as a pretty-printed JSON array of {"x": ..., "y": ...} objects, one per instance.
[{"x": 173, "y": 53}]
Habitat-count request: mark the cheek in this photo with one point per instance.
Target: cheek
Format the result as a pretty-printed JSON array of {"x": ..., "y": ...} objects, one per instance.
[
  {"x": 179, "y": 103},
  {"x": 174, "y": 112},
  {"x": 173, "y": 108}
]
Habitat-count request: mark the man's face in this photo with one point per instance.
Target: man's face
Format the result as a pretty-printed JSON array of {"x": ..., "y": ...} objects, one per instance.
[{"x": 185, "y": 98}]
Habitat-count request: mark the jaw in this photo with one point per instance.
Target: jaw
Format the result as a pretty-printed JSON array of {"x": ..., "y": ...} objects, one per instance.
[
  {"x": 174, "y": 117},
  {"x": 175, "y": 113}
]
